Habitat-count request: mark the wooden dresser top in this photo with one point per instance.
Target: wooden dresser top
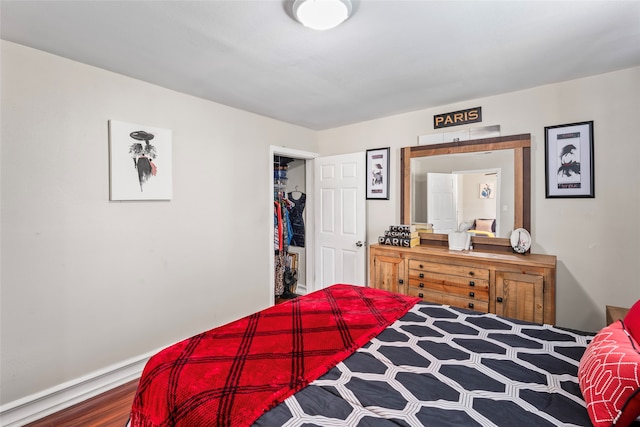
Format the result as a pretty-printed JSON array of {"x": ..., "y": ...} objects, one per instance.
[{"x": 539, "y": 260}]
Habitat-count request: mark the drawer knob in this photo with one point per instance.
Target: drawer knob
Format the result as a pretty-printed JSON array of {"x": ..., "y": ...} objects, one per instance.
[
  {"x": 472, "y": 294},
  {"x": 421, "y": 266},
  {"x": 421, "y": 285},
  {"x": 470, "y": 305},
  {"x": 421, "y": 275},
  {"x": 401, "y": 281},
  {"x": 471, "y": 273},
  {"x": 472, "y": 283},
  {"x": 499, "y": 299},
  {"x": 421, "y": 295}
]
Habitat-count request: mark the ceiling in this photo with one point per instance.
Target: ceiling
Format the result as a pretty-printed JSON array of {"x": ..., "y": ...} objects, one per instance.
[{"x": 390, "y": 57}]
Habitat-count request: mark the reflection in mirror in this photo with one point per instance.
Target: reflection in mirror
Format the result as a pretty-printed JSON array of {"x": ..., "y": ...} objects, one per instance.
[
  {"x": 513, "y": 196},
  {"x": 453, "y": 191},
  {"x": 462, "y": 201}
]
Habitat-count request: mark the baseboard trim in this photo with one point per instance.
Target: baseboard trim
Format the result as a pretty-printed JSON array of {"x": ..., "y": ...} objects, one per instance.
[{"x": 39, "y": 405}]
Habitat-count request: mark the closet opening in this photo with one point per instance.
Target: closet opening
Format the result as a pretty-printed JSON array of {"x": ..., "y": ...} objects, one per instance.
[
  {"x": 289, "y": 197},
  {"x": 292, "y": 226}
]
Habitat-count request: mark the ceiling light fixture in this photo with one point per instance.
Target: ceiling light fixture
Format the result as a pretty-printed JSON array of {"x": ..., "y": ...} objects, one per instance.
[{"x": 321, "y": 14}]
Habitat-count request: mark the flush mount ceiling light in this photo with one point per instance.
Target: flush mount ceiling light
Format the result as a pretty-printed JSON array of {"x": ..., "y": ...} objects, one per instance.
[{"x": 321, "y": 14}]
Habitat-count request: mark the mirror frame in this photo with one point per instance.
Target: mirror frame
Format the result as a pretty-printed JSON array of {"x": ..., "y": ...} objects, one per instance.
[{"x": 521, "y": 146}]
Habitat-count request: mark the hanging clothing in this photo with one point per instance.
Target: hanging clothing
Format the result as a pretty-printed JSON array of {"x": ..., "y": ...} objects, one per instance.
[
  {"x": 277, "y": 224},
  {"x": 280, "y": 269},
  {"x": 297, "y": 220},
  {"x": 287, "y": 229}
]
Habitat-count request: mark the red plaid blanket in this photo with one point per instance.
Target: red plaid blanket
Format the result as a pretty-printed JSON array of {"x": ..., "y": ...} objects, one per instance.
[{"x": 231, "y": 375}]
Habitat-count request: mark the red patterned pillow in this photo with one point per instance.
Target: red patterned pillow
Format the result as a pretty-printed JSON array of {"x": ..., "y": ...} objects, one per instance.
[
  {"x": 609, "y": 377},
  {"x": 632, "y": 321}
]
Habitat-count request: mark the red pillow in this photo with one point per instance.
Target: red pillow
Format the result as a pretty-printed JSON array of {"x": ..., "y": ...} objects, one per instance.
[
  {"x": 609, "y": 377},
  {"x": 632, "y": 321}
]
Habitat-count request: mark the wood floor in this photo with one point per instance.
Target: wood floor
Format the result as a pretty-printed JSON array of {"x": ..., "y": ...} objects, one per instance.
[{"x": 110, "y": 409}]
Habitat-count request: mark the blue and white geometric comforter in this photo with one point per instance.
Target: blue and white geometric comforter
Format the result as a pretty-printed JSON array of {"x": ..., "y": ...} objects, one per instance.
[{"x": 442, "y": 366}]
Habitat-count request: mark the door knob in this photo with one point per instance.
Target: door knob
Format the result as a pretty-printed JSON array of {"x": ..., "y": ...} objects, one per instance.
[{"x": 359, "y": 244}]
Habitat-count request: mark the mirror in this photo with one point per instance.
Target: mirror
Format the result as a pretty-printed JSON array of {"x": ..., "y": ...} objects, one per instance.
[
  {"x": 507, "y": 157},
  {"x": 456, "y": 189}
]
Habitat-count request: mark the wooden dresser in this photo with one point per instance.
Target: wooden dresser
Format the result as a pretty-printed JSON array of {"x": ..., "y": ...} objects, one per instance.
[{"x": 511, "y": 285}]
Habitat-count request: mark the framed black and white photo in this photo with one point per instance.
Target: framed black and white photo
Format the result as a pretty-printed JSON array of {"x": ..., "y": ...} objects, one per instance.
[
  {"x": 378, "y": 174},
  {"x": 140, "y": 162},
  {"x": 569, "y": 162}
]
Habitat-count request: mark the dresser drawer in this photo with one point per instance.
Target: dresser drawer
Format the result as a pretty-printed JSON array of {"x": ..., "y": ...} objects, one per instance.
[
  {"x": 450, "y": 269},
  {"x": 478, "y": 292},
  {"x": 417, "y": 277},
  {"x": 448, "y": 299}
]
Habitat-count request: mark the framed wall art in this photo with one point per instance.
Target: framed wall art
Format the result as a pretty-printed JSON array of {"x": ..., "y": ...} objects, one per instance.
[
  {"x": 569, "y": 162},
  {"x": 140, "y": 162},
  {"x": 378, "y": 174},
  {"x": 486, "y": 191}
]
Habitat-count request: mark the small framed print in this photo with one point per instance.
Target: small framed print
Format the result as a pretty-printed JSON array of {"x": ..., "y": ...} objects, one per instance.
[
  {"x": 140, "y": 161},
  {"x": 378, "y": 174},
  {"x": 569, "y": 163},
  {"x": 486, "y": 191}
]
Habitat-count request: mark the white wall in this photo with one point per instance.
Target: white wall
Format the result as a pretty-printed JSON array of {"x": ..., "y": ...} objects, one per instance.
[
  {"x": 87, "y": 283},
  {"x": 597, "y": 241}
]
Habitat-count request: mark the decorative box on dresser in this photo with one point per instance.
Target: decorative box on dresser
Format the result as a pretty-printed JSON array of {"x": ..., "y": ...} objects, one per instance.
[{"x": 511, "y": 285}]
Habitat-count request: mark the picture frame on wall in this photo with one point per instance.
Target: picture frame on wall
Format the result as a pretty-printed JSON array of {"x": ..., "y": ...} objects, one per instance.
[
  {"x": 140, "y": 162},
  {"x": 569, "y": 160},
  {"x": 486, "y": 191},
  {"x": 377, "y": 174}
]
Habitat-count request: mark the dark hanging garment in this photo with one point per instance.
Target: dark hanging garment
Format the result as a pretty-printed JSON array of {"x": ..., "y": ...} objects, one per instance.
[
  {"x": 297, "y": 220},
  {"x": 287, "y": 231}
]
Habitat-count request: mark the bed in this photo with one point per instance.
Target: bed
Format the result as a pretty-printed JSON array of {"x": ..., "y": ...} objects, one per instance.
[
  {"x": 355, "y": 356},
  {"x": 483, "y": 227}
]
